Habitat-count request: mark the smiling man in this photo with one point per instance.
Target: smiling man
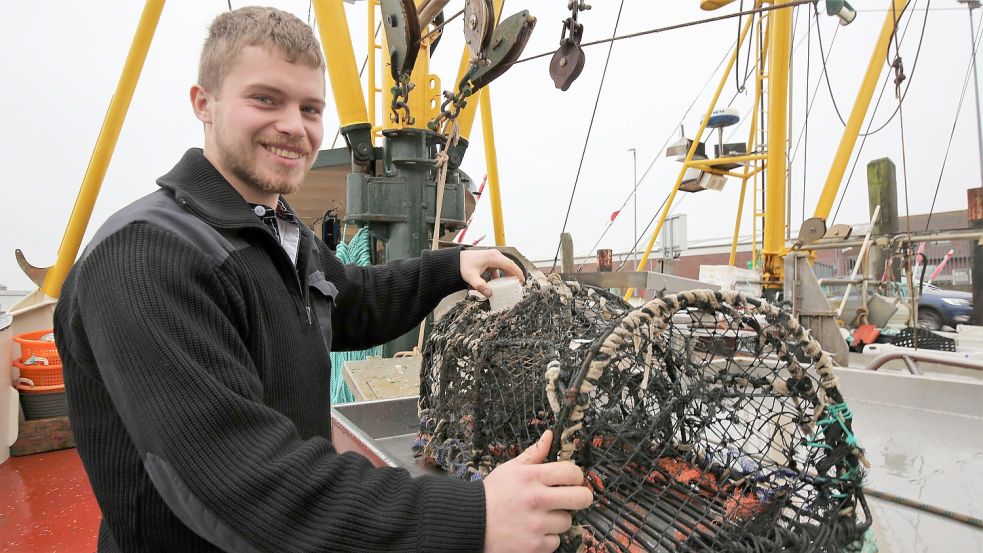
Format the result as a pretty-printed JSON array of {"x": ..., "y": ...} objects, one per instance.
[{"x": 195, "y": 331}]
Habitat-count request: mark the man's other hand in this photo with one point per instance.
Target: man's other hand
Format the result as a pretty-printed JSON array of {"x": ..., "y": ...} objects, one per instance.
[
  {"x": 528, "y": 504},
  {"x": 476, "y": 262}
]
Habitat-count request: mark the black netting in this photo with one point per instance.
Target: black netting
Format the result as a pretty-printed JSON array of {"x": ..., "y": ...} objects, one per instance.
[
  {"x": 922, "y": 338},
  {"x": 482, "y": 394},
  {"x": 702, "y": 421}
]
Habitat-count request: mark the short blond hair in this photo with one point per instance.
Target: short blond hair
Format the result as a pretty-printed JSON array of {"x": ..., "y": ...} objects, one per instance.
[{"x": 269, "y": 28}]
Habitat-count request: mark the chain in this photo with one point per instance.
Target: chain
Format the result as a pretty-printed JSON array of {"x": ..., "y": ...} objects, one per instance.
[
  {"x": 401, "y": 95},
  {"x": 570, "y": 24},
  {"x": 451, "y": 107}
]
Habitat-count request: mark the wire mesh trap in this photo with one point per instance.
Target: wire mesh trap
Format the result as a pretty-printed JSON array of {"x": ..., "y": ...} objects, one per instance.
[
  {"x": 703, "y": 421},
  {"x": 707, "y": 421},
  {"x": 482, "y": 393},
  {"x": 923, "y": 338}
]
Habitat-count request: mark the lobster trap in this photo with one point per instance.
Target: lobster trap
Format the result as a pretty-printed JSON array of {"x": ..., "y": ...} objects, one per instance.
[
  {"x": 482, "y": 394},
  {"x": 704, "y": 421}
]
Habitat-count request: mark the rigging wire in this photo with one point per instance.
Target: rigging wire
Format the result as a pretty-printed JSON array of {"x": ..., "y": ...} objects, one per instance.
[
  {"x": 955, "y": 121},
  {"x": 805, "y": 122},
  {"x": 912, "y": 11},
  {"x": 440, "y": 27},
  {"x": 898, "y": 67},
  {"x": 899, "y": 77},
  {"x": 658, "y": 156},
  {"x": 815, "y": 93},
  {"x": 652, "y": 220},
  {"x": 737, "y": 58},
  {"x": 751, "y": 69},
  {"x": 694, "y": 23},
  {"x": 825, "y": 73},
  {"x": 876, "y": 105},
  {"x": 789, "y": 167},
  {"x": 590, "y": 127}
]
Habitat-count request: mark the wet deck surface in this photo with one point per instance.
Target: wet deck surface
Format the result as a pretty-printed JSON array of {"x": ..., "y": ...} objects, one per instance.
[
  {"x": 46, "y": 505},
  {"x": 924, "y": 439},
  {"x": 928, "y": 457}
]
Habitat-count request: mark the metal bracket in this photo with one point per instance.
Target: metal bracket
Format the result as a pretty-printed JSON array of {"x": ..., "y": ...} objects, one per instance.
[{"x": 359, "y": 139}]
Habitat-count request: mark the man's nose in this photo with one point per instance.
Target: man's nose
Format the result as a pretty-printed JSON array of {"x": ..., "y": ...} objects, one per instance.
[{"x": 291, "y": 122}]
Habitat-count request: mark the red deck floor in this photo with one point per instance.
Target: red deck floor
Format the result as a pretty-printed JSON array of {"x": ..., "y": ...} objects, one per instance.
[{"x": 46, "y": 504}]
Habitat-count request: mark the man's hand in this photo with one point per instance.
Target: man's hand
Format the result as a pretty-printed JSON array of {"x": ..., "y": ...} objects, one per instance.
[
  {"x": 528, "y": 504},
  {"x": 476, "y": 262}
]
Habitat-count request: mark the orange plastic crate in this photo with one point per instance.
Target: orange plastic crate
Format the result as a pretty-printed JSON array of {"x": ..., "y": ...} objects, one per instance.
[
  {"x": 41, "y": 375},
  {"x": 32, "y": 346}
]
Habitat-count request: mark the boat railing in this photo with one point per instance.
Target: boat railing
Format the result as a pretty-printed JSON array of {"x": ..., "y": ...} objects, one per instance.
[{"x": 911, "y": 358}]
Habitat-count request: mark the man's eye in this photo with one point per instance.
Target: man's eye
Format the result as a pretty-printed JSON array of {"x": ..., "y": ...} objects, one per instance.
[
  {"x": 312, "y": 110},
  {"x": 263, "y": 99}
]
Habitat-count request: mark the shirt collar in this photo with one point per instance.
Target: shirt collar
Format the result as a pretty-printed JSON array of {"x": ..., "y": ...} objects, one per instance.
[{"x": 197, "y": 183}]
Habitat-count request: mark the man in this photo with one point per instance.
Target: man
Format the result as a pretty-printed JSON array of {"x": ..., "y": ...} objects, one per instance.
[{"x": 195, "y": 331}]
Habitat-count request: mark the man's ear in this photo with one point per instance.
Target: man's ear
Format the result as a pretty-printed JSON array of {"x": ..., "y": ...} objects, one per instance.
[{"x": 201, "y": 103}]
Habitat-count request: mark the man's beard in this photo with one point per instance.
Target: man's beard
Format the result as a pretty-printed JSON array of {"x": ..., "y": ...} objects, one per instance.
[{"x": 246, "y": 170}]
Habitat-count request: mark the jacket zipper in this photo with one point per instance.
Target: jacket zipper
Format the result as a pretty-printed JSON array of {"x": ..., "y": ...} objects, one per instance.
[{"x": 304, "y": 297}]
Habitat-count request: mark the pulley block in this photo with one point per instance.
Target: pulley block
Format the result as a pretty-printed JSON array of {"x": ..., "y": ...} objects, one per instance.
[
  {"x": 479, "y": 24},
  {"x": 507, "y": 43},
  {"x": 402, "y": 27}
]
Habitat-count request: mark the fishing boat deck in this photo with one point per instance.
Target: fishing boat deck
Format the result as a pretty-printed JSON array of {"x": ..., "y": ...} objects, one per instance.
[
  {"x": 921, "y": 435},
  {"x": 46, "y": 504}
]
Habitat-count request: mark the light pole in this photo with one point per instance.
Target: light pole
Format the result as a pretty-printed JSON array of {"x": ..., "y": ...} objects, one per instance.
[
  {"x": 634, "y": 193},
  {"x": 972, "y": 4}
]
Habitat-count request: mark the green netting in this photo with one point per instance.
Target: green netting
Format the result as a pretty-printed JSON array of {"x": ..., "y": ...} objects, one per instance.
[{"x": 358, "y": 251}]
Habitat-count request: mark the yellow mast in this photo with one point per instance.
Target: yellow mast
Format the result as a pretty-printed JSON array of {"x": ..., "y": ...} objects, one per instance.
[
  {"x": 780, "y": 53},
  {"x": 339, "y": 56},
  {"x": 491, "y": 162},
  {"x": 104, "y": 148}
]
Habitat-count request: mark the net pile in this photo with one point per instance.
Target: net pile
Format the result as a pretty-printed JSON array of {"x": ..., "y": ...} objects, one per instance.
[
  {"x": 482, "y": 394},
  {"x": 703, "y": 421}
]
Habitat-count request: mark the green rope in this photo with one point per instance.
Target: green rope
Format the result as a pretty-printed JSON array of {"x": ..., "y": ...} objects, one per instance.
[
  {"x": 358, "y": 251},
  {"x": 837, "y": 413}
]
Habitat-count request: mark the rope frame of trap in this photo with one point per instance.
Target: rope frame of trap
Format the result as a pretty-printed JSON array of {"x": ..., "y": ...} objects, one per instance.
[{"x": 653, "y": 319}]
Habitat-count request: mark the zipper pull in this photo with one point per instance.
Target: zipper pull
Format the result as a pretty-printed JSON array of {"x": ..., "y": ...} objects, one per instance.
[{"x": 309, "y": 320}]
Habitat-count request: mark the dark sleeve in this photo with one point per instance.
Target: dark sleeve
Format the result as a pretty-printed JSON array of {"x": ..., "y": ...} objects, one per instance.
[
  {"x": 378, "y": 303},
  {"x": 168, "y": 341}
]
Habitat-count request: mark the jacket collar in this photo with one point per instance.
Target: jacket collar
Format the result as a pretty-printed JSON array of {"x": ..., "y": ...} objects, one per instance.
[{"x": 197, "y": 184}]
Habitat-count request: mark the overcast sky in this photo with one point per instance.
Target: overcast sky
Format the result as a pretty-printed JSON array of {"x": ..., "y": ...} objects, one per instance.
[{"x": 62, "y": 61}]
